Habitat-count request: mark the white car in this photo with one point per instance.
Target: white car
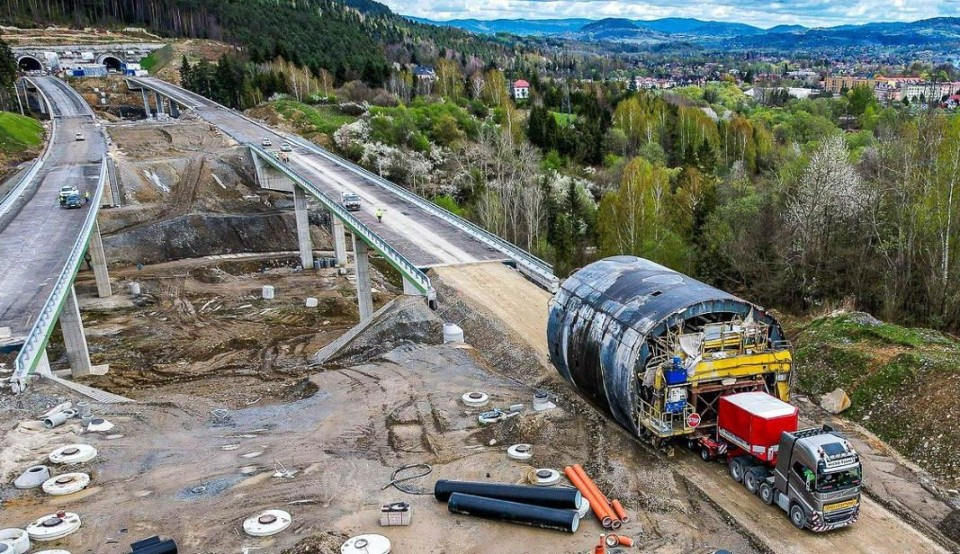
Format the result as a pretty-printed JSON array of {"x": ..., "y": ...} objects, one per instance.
[
  {"x": 265, "y": 143},
  {"x": 80, "y": 136}
]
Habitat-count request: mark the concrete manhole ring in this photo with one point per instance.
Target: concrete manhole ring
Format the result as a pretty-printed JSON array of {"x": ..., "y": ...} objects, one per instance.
[
  {"x": 68, "y": 483},
  {"x": 73, "y": 454},
  {"x": 54, "y": 526},
  {"x": 475, "y": 399},
  {"x": 520, "y": 452},
  {"x": 547, "y": 477},
  {"x": 269, "y": 522}
]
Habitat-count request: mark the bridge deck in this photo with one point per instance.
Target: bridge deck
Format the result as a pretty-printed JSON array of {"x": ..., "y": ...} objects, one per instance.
[
  {"x": 36, "y": 236},
  {"x": 421, "y": 237}
]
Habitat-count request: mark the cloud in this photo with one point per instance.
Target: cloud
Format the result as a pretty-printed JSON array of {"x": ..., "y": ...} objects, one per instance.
[{"x": 810, "y": 13}]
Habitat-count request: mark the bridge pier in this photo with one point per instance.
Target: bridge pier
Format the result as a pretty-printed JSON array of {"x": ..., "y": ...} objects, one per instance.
[
  {"x": 174, "y": 109},
  {"x": 74, "y": 337},
  {"x": 303, "y": 227},
  {"x": 146, "y": 103},
  {"x": 339, "y": 241},
  {"x": 99, "y": 262},
  {"x": 159, "y": 100},
  {"x": 361, "y": 259}
]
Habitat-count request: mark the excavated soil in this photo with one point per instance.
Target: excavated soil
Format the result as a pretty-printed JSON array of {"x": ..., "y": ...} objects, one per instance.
[{"x": 198, "y": 455}]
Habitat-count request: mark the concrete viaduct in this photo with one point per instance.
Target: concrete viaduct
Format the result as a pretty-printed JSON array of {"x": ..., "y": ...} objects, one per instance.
[{"x": 414, "y": 235}]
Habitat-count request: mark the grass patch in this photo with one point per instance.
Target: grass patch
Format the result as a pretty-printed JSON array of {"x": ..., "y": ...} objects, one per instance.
[
  {"x": 158, "y": 59},
  {"x": 564, "y": 119},
  {"x": 19, "y": 133},
  {"x": 312, "y": 119},
  {"x": 902, "y": 383}
]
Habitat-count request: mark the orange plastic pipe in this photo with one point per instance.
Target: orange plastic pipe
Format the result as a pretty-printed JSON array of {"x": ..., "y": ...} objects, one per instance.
[
  {"x": 624, "y": 541},
  {"x": 602, "y": 547},
  {"x": 603, "y": 513},
  {"x": 618, "y": 509},
  {"x": 596, "y": 492}
]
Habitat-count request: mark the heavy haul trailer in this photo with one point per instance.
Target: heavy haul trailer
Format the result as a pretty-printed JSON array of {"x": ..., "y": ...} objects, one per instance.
[
  {"x": 812, "y": 474},
  {"x": 656, "y": 349},
  {"x": 667, "y": 357}
]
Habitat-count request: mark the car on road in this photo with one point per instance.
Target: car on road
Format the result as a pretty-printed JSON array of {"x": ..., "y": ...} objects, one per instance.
[
  {"x": 80, "y": 136},
  {"x": 71, "y": 201},
  {"x": 285, "y": 148},
  {"x": 68, "y": 190},
  {"x": 350, "y": 201},
  {"x": 266, "y": 142}
]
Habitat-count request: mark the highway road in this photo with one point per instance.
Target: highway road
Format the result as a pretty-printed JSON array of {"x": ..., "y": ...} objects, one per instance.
[
  {"x": 421, "y": 237},
  {"x": 36, "y": 235}
]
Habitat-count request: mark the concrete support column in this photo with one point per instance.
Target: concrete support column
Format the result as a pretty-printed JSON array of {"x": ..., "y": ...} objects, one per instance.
[
  {"x": 73, "y": 336},
  {"x": 339, "y": 241},
  {"x": 303, "y": 227},
  {"x": 43, "y": 365},
  {"x": 410, "y": 289},
  {"x": 174, "y": 109},
  {"x": 146, "y": 102},
  {"x": 99, "y": 261},
  {"x": 361, "y": 257},
  {"x": 159, "y": 102}
]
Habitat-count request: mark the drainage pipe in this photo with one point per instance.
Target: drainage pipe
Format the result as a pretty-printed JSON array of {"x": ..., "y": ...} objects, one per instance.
[
  {"x": 600, "y": 509},
  {"x": 564, "y": 498},
  {"x": 514, "y": 512},
  {"x": 56, "y": 419}
]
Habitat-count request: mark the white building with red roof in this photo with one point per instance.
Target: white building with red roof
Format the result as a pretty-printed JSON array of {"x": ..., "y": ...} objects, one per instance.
[{"x": 520, "y": 90}]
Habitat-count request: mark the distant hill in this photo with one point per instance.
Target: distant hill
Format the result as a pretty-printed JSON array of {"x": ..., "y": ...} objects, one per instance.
[
  {"x": 520, "y": 27},
  {"x": 696, "y": 27},
  {"x": 617, "y": 29},
  {"x": 942, "y": 31}
]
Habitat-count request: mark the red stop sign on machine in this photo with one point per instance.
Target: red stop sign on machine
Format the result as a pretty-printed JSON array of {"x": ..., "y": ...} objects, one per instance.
[{"x": 693, "y": 419}]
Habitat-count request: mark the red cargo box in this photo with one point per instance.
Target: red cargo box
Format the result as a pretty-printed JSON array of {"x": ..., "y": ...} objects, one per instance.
[{"x": 754, "y": 421}]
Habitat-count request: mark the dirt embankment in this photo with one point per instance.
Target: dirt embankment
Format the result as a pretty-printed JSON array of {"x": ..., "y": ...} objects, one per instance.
[{"x": 186, "y": 192}]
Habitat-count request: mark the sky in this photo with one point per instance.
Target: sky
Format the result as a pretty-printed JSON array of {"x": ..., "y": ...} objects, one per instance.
[{"x": 809, "y": 13}]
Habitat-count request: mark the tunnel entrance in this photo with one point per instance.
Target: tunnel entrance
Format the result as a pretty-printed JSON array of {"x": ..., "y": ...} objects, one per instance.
[
  {"x": 29, "y": 63},
  {"x": 113, "y": 64}
]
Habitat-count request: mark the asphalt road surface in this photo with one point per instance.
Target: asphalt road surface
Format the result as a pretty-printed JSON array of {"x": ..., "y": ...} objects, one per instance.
[
  {"x": 421, "y": 237},
  {"x": 36, "y": 235}
]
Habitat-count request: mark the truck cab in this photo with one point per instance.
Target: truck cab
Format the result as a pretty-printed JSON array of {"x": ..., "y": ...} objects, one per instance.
[{"x": 817, "y": 480}]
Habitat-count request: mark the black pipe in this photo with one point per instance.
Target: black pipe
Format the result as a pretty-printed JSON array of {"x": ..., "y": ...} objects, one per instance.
[
  {"x": 154, "y": 545},
  {"x": 566, "y": 498},
  {"x": 514, "y": 512}
]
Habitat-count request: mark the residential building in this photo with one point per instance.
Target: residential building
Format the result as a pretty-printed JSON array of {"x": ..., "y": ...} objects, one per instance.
[{"x": 520, "y": 90}]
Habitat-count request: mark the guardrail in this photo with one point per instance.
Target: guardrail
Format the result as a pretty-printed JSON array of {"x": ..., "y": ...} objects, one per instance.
[
  {"x": 357, "y": 227},
  {"x": 536, "y": 269},
  {"x": 36, "y": 340},
  {"x": 11, "y": 197}
]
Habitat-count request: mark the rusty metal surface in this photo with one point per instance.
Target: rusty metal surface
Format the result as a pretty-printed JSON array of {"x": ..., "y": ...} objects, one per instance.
[{"x": 603, "y": 315}]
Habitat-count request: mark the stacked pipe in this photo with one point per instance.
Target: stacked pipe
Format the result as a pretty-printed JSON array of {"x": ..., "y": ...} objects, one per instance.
[
  {"x": 548, "y": 508},
  {"x": 611, "y": 515}
]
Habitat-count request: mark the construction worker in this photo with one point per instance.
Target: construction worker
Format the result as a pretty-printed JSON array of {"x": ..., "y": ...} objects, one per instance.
[
  {"x": 86, "y": 197},
  {"x": 379, "y": 215}
]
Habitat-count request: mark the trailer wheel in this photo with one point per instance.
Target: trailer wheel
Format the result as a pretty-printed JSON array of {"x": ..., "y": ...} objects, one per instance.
[
  {"x": 751, "y": 480},
  {"x": 797, "y": 516},
  {"x": 766, "y": 493},
  {"x": 736, "y": 469},
  {"x": 705, "y": 454}
]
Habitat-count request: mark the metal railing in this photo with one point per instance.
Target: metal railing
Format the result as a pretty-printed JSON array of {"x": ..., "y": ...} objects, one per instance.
[
  {"x": 11, "y": 197},
  {"x": 36, "y": 341},
  {"x": 538, "y": 270},
  {"x": 357, "y": 227}
]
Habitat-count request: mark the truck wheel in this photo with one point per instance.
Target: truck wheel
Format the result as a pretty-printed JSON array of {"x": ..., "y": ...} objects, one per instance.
[
  {"x": 797, "y": 516},
  {"x": 736, "y": 470},
  {"x": 766, "y": 493},
  {"x": 751, "y": 480},
  {"x": 705, "y": 454}
]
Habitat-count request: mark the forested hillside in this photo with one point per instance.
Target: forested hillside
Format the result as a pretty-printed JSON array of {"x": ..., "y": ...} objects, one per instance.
[{"x": 347, "y": 38}]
